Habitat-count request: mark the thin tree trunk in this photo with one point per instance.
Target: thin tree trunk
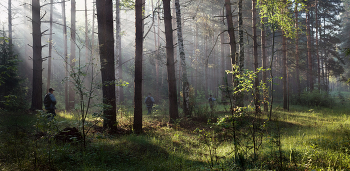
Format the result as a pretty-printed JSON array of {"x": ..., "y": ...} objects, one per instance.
[
  {"x": 256, "y": 63},
  {"x": 10, "y": 23},
  {"x": 157, "y": 53},
  {"x": 72, "y": 52},
  {"x": 185, "y": 85},
  {"x": 50, "y": 49},
  {"x": 173, "y": 109},
  {"x": 106, "y": 42},
  {"x": 271, "y": 73},
  {"x": 240, "y": 96},
  {"x": 138, "y": 67},
  {"x": 318, "y": 57},
  {"x": 65, "y": 54},
  {"x": 196, "y": 62},
  {"x": 118, "y": 55},
  {"x": 264, "y": 65},
  {"x": 37, "y": 59},
  {"x": 206, "y": 66},
  {"x": 284, "y": 70},
  {"x": 222, "y": 72},
  {"x": 86, "y": 35},
  {"x": 231, "y": 32},
  {"x": 309, "y": 57},
  {"x": 297, "y": 50}
]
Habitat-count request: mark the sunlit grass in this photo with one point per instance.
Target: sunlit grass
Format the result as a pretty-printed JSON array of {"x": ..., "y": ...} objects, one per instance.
[{"x": 311, "y": 138}]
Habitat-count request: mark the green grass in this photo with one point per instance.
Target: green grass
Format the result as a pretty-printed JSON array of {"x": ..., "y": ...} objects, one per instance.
[{"x": 311, "y": 139}]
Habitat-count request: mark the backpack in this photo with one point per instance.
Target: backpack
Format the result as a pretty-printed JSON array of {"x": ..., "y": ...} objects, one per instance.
[
  {"x": 149, "y": 101},
  {"x": 47, "y": 100},
  {"x": 210, "y": 100}
]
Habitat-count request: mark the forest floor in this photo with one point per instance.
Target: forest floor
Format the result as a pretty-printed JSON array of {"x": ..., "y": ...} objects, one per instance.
[{"x": 303, "y": 138}]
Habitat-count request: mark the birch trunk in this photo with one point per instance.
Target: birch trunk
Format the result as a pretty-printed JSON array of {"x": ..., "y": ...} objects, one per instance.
[{"x": 185, "y": 84}]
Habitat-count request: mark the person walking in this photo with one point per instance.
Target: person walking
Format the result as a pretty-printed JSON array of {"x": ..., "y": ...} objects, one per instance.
[
  {"x": 50, "y": 103},
  {"x": 149, "y": 103},
  {"x": 211, "y": 101}
]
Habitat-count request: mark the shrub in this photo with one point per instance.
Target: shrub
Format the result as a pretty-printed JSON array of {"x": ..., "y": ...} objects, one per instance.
[{"x": 314, "y": 98}]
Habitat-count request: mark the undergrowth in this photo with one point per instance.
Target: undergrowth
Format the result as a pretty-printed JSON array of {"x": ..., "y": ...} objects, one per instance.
[{"x": 302, "y": 139}]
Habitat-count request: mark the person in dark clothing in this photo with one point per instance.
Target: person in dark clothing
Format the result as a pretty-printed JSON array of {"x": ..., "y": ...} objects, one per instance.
[
  {"x": 149, "y": 103},
  {"x": 50, "y": 103},
  {"x": 211, "y": 100}
]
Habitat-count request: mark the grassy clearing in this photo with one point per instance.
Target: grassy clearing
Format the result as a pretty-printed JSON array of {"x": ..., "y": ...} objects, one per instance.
[{"x": 310, "y": 139}]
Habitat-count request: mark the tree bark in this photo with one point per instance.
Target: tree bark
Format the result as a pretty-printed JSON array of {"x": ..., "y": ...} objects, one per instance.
[
  {"x": 37, "y": 59},
  {"x": 157, "y": 53},
  {"x": 231, "y": 32},
  {"x": 256, "y": 63},
  {"x": 138, "y": 67},
  {"x": 173, "y": 108},
  {"x": 185, "y": 85},
  {"x": 222, "y": 72},
  {"x": 106, "y": 42},
  {"x": 10, "y": 23},
  {"x": 118, "y": 54},
  {"x": 240, "y": 96},
  {"x": 50, "y": 49},
  {"x": 264, "y": 65},
  {"x": 317, "y": 54},
  {"x": 297, "y": 50},
  {"x": 72, "y": 52},
  {"x": 65, "y": 55},
  {"x": 284, "y": 70},
  {"x": 87, "y": 59},
  {"x": 309, "y": 57}
]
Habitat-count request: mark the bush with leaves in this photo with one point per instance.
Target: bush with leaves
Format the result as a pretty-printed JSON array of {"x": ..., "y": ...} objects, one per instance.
[{"x": 314, "y": 98}]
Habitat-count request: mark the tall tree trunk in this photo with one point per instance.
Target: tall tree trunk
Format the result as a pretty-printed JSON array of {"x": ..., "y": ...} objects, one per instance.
[
  {"x": 196, "y": 62},
  {"x": 157, "y": 53},
  {"x": 10, "y": 23},
  {"x": 87, "y": 59},
  {"x": 177, "y": 63},
  {"x": 309, "y": 57},
  {"x": 284, "y": 70},
  {"x": 256, "y": 63},
  {"x": 65, "y": 54},
  {"x": 37, "y": 59},
  {"x": 118, "y": 54},
  {"x": 138, "y": 67},
  {"x": 318, "y": 57},
  {"x": 231, "y": 32},
  {"x": 222, "y": 72},
  {"x": 185, "y": 85},
  {"x": 173, "y": 109},
  {"x": 93, "y": 33},
  {"x": 72, "y": 52},
  {"x": 106, "y": 42},
  {"x": 264, "y": 65},
  {"x": 240, "y": 96},
  {"x": 50, "y": 49},
  {"x": 206, "y": 89},
  {"x": 297, "y": 49}
]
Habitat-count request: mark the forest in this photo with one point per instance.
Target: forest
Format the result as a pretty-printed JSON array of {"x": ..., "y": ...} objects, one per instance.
[{"x": 174, "y": 85}]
